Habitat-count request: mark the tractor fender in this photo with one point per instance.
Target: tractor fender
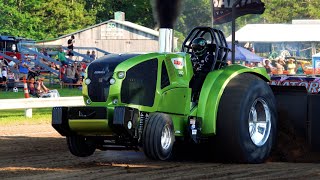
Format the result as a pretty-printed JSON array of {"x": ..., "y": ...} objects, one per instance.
[{"x": 212, "y": 90}]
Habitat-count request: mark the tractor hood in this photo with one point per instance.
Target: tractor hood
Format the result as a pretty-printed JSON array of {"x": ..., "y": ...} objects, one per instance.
[{"x": 99, "y": 73}]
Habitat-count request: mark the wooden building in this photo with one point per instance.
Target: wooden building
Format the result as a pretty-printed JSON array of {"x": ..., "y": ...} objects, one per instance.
[{"x": 114, "y": 36}]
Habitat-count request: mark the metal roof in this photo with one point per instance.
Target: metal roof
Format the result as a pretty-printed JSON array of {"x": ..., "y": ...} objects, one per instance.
[
  {"x": 7, "y": 38},
  {"x": 278, "y": 33},
  {"x": 125, "y": 23}
]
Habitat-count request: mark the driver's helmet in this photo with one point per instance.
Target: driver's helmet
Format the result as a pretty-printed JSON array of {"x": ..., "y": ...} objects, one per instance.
[{"x": 199, "y": 46}]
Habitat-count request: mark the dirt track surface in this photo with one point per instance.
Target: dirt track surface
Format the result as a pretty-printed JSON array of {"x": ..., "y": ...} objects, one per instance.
[{"x": 38, "y": 152}]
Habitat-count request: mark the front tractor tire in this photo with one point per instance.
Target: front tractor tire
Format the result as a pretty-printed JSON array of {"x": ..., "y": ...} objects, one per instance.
[
  {"x": 158, "y": 137},
  {"x": 80, "y": 146},
  {"x": 246, "y": 124}
]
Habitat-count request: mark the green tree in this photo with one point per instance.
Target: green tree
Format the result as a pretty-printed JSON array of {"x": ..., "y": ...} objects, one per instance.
[
  {"x": 62, "y": 17},
  {"x": 41, "y": 19},
  {"x": 137, "y": 11},
  {"x": 194, "y": 13}
]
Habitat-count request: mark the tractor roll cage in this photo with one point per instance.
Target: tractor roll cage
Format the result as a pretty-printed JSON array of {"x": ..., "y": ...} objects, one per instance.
[{"x": 217, "y": 44}]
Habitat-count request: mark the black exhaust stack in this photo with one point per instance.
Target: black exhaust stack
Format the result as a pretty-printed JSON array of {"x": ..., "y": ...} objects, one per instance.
[{"x": 166, "y": 13}]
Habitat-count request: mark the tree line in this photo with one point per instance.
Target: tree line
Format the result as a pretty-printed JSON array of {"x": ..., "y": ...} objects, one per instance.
[{"x": 42, "y": 19}]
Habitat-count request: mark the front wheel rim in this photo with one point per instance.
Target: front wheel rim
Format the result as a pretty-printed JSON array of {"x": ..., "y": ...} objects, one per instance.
[
  {"x": 259, "y": 122},
  {"x": 166, "y": 137}
]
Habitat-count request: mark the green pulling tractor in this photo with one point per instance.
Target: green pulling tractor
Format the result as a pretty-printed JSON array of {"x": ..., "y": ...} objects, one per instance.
[{"x": 146, "y": 101}]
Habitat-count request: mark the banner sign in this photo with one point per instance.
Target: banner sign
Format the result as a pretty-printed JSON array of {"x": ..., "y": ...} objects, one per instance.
[
  {"x": 312, "y": 84},
  {"x": 222, "y": 9}
]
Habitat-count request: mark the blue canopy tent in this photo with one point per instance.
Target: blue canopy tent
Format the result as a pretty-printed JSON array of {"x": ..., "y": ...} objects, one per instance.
[
  {"x": 316, "y": 63},
  {"x": 242, "y": 54}
]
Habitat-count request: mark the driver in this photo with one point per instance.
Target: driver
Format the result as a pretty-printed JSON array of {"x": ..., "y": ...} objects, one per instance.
[
  {"x": 202, "y": 62},
  {"x": 200, "y": 57}
]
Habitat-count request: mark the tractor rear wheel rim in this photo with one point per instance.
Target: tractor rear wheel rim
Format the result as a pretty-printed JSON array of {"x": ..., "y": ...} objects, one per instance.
[
  {"x": 166, "y": 137},
  {"x": 259, "y": 122}
]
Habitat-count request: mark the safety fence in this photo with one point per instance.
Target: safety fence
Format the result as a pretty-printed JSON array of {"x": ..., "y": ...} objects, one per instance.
[{"x": 29, "y": 103}]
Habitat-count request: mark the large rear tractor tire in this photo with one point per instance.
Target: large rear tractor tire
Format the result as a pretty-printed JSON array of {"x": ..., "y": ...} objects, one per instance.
[
  {"x": 158, "y": 137},
  {"x": 80, "y": 146},
  {"x": 246, "y": 124}
]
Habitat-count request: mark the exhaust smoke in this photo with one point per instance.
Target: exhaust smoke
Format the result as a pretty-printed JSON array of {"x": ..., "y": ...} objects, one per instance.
[{"x": 166, "y": 13}]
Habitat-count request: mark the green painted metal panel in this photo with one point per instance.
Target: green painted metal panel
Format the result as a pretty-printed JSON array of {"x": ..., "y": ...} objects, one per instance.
[
  {"x": 176, "y": 101},
  {"x": 212, "y": 91},
  {"x": 92, "y": 126},
  {"x": 179, "y": 123}
]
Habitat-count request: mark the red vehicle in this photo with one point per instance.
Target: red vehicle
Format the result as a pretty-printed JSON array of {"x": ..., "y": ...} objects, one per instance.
[{"x": 11, "y": 46}]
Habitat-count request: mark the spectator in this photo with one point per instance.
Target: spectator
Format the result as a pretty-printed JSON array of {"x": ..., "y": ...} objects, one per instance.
[
  {"x": 83, "y": 65},
  {"x": 23, "y": 68},
  {"x": 11, "y": 75},
  {"x": 62, "y": 57},
  {"x": 279, "y": 66},
  {"x": 83, "y": 73},
  {"x": 71, "y": 42},
  {"x": 291, "y": 67},
  {"x": 4, "y": 74},
  {"x": 11, "y": 64},
  {"x": 78, "y": 72},
  {"x": 40, "y": 87},
  {"x": 70, "y": 72},
  {"x": 11, "y": 79},
  {"x": 63, "y": 73},
  {"x": 1, "y": 74},
  {"x": 42, "y": 91},
  {"x": 87, "y": 58},
  {"x": 268, "y": 66},
  {"x": 45, "y": 52},
  {"x": 93, "y": 55},
  {"x": 32, "y": 64},
  {"x": 88, "y": 53},
  {"x": 32, "y": 88},
  {"x": 54, "y": 66},
  {"x": 300, "y": 69}
]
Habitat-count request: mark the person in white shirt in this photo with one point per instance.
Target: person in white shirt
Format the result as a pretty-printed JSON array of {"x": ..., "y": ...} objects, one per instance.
[{"x": 4, "y": 74}]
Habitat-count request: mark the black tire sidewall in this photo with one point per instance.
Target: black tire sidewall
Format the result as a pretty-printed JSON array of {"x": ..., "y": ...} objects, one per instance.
[
  {"x": 253, "y": 153},
  {"x": 152, "y": 136},
  {"x": 79, "y": 147},
  {"x": 164, "y": 154}
]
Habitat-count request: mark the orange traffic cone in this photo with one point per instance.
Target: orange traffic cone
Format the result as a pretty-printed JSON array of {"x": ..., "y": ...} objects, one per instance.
[{"x": 25, "y": 87}]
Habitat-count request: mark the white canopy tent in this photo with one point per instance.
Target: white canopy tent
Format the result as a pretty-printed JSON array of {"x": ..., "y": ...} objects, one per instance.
[{"x": 278, "y": 33}]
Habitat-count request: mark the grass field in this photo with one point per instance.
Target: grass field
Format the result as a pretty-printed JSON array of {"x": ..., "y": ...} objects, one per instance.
[
  {"x": 64, "y": 92},
  {"x": 39, "y": 115},
  {"x": 15, "y": 117}
]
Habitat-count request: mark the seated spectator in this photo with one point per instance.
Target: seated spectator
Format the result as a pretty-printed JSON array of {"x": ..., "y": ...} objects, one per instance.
[
  {"x": 88, "y": 53},
  {"x": 23, "y": 69},
  {"x": 54, "y": 66},
  {"x": 32, "y": 87},
  {"x": 63, "y": 73},
  {"x": 93, "y": 55},
  {"x": 11, "y": 80},
  {"x": 4, "y": 74},
  {"x": 83, "y": 73},
  {"x": 1, "y": 80},
  {"x": 40, "y": 87},
  {"x": 79, "y": 82},
  {"x": 11, "y": 75},
  {"x": 43, "y": 91}
]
